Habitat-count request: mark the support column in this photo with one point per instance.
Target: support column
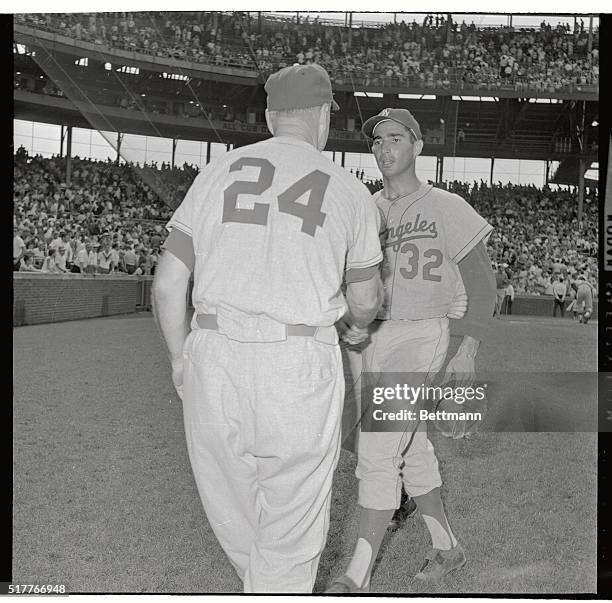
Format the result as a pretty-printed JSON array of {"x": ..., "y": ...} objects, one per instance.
[
  {"x": 581, "y": 170},
  {"x": 68, "y": 155},
  {"x": 492, "y": 169},
  {"x": 207, "y": 153},
  {"x": 590, "y": 39},
  {"x": 547, "y": 172},
  {"x": 174, "y": 142},
  {"x": 62, "y": 134},
  {"x": 441, "y": 158},
  {"x": 334, "y": 156},
  {"x": 342, "y": 158},
  {"x": 119, "y": 141},
  {"x": 350, "y": 29}
]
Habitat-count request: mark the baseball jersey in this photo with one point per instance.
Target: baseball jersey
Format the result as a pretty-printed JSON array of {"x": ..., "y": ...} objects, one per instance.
[
  {"x": 425, "y": 235},
  {"x": 274, "y": 227}
]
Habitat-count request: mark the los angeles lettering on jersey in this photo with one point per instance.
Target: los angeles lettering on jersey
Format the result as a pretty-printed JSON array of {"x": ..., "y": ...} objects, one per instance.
[{"x": 417, "y": 229}]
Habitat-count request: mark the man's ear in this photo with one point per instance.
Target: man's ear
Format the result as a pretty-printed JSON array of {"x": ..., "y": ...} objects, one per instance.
[
  {"x": 418, "y": 147},
  {"x": 269, "y": 122},
  {"x": 324, "y": 117}
]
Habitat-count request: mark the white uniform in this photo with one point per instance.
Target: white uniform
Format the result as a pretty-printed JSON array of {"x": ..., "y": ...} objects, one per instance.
[
  {"x": 584, "y": 296},
  {"x": 274, "y": 227},
  {"x": 426, "y": 234}
]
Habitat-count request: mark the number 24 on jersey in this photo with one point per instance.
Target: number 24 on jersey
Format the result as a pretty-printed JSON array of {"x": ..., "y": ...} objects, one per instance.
[{"x": 315, "y": 184}]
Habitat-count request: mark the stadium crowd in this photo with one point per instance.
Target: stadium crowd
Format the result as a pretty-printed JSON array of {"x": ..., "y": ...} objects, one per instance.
[
  {"x": 434, "y": 53},
  {"x": 111, "y": 218}
]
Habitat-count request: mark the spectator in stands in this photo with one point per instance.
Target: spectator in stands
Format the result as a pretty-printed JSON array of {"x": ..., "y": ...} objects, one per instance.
[
  {"x": 27, "y": 263},
  {"x": 38, "y": 254},
  {"x": 114, "y": 257},
  {"x": 65, "y": 242},
  {"x": 105, "y": 259},
  {"x": 59, "y": 259},
  {"x": 19, "y": 248},
  {"x": 92, "y": 267},
  {"x": 49, "y": 263},
  {"x": 130, "y": 259},
  {"x": 84, "y": 258}
]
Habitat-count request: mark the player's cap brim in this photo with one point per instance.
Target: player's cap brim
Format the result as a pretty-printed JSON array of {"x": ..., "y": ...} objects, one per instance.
[{"x": 370, "y": 125}]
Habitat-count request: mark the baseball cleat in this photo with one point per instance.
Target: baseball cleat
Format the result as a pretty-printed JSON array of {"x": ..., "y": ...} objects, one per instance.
[
  {"x": 439, "y": 564},
  {"x": 345, "y": 586},
  {"x": 406, "y": 510}
]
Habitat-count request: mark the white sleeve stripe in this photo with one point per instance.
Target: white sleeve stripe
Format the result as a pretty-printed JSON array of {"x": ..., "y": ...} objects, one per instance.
[
  {"x": 179, "y": 226},
  {"x": 367, "y": 263}
]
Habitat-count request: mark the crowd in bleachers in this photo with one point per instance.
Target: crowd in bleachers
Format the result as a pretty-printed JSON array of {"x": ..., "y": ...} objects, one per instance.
[
  {"x": 537, "y": 234},
  {"x": 119, "y": 211},
  {"x": 107, "y": 209},
  {"x": 434, "y": 53}
]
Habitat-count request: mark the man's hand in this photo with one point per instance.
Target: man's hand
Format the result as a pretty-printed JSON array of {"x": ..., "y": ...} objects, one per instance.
[
  {"x": 354, "y": 335},
  {"x": 177, "y": 376},
  {"x": 461, "y": 368}
]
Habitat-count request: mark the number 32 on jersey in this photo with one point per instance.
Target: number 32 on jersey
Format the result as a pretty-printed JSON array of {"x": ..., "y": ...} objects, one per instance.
[{"x": 315, "y": 184}]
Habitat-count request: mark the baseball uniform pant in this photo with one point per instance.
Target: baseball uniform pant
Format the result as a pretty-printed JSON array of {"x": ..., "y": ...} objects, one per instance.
[
  {"x": 262, "y": 422},
  {"x": 416, "y": 349},
  {"x": 584, "y": 300}
]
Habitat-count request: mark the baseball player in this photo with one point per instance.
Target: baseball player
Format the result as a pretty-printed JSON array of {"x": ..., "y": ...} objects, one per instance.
[
  {"x": 434, "y": 262},
  {"x": 584, "y": 298},
  {"x": 270, "y": 232}
]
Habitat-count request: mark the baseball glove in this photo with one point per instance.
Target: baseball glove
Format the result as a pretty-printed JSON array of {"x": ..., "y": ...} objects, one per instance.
[{"x": 458, "y": 421}]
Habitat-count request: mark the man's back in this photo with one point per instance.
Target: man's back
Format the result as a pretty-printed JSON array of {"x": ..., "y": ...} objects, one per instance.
[{"x": 271, "y": 225}]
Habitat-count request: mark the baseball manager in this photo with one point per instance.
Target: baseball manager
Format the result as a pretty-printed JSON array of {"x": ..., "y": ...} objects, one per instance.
[{"x": 270, "y": 231}]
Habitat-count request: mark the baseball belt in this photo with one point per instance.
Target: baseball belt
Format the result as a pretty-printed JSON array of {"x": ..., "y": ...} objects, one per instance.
[{"x": 209, "y": 321}]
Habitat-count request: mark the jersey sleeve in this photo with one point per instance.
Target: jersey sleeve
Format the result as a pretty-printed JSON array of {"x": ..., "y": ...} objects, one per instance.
[
  {"x": 182, "y": 218},
  {"x": 464, "y": 229},
  {"x": 180, "y": 240},
  {"x": 365, "y": 250}
]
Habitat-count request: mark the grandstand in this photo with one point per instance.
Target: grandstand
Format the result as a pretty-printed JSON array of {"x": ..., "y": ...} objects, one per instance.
[{"x": 496, "y": 92}]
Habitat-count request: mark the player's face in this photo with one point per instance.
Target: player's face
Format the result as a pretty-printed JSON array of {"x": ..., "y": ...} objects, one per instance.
[{"x": 395, "y": 148}]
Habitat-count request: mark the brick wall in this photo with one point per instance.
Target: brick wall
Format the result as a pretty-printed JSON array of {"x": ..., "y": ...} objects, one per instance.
[
  {"x": 41, "y": 298},
  {"x": 539, "y": 305}
]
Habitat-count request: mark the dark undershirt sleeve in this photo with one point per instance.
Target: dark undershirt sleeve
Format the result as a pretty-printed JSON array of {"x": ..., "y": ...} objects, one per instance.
[
  {"x": 356, "y": 275},
  {"x": 480, "y": 287},
  {"x": 180, "y": 245}
]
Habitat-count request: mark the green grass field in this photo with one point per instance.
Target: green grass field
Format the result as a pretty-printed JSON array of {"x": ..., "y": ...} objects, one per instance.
[{"x": 104, "y": 498}]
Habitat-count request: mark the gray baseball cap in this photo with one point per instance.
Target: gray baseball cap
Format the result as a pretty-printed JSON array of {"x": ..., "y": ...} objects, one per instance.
[{"x": 400, "y": 116}]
